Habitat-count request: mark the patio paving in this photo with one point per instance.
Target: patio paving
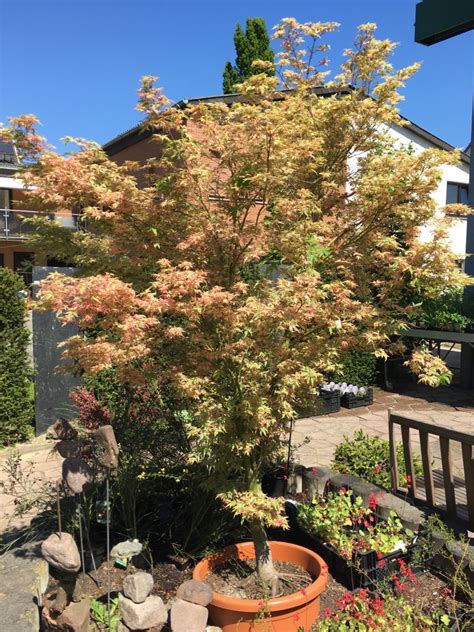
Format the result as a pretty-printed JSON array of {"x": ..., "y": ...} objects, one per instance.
[
  {"x": 315, "y": 438},
  {"x": 41, "y": 464}
]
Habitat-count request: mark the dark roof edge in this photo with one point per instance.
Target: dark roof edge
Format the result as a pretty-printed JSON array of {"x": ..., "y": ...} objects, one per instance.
[{"x": 139, "y": 132}]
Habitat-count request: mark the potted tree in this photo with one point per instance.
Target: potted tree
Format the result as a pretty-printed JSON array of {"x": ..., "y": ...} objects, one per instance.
[{"x": 172, "y": 287}]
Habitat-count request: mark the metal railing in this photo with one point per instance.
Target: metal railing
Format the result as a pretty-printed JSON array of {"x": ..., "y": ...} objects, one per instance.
[{"x": 14, "y": 226}]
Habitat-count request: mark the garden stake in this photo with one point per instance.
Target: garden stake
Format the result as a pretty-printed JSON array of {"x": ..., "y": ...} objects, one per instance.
[
  {"x": 287, "y": 473},
  {"x": 88, "y": 539},
  {"x": 108, "y": 543},
  {"x": 81, "y": 541},
  {"x": 58, "y": 510}
]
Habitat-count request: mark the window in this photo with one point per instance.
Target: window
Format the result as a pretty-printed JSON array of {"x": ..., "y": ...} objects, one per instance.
[
  {"x": 456, "y": 193},
  {"x": 23, "y": 265},
  {"x": 5, "y": 198}
]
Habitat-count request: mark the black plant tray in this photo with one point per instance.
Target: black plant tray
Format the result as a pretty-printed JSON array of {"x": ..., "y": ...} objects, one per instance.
[
  {"x": 348, "y": 400},
  {"x": 364, "y": 571},
  {"x": 323, "y": 404}
]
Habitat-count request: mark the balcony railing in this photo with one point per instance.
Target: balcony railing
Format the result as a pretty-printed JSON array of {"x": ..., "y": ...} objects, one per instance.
[{"x": 13, "y": 226}]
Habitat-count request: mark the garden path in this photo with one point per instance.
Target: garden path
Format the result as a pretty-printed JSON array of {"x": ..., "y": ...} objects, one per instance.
[
  {"x": 315, "y": 438},
  {"x": 40, "y": 465}
]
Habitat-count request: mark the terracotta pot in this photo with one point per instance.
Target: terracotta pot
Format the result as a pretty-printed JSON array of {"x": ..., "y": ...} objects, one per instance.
[{"x": 297, "y": 611}]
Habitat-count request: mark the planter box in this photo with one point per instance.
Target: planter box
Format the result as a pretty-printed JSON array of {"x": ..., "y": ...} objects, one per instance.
[
  {"x": 348, "y": 400},
  {"x": 365, "y": 570},
  {"x": 323, "y": 404}
]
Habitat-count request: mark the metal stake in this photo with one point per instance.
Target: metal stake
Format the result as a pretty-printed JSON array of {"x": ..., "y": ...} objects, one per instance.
[
  {"x": 88, "y": 539},
  {"x": 79, "y": 514},
  {"x": 58, "y": 509},
  {"x": 108, "y": 543}
]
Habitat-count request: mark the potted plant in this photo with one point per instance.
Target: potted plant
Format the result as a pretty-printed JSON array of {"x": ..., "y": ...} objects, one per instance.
[{"x": 171, "y": 289}]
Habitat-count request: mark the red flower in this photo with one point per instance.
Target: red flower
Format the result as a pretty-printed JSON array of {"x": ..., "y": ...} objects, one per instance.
[
  {"x": 382, "y": 563},
  {"x": 446, "y": 592},
  {"x": 377, "y": 468},
  {"x": 327, "y": 612},
  {"x": 372, "y": 501}
]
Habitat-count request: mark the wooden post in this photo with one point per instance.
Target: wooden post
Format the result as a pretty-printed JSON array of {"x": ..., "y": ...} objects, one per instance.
[
  {"x": 411, "y": 483},
  {"x": 448, "y": 476},
  {"x": 427, "y": 471},
  {"x": 468, "y": 462},
  {"x": 393, "y": 453}
]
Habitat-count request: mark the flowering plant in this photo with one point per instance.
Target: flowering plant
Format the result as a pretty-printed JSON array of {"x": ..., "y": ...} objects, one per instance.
[
  {"x": 342, "y": 521},
  {"x": 345, "y": 389},
  {"x": 363, "y": 611}
]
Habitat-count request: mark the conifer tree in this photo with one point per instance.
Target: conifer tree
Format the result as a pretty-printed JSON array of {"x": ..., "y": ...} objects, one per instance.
[
  {"x": 16, "y": 412},
  {"x": 250, "y": 46}
]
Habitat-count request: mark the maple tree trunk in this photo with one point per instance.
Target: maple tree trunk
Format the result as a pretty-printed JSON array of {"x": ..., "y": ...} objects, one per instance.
[{"x": 263, "y": 555}]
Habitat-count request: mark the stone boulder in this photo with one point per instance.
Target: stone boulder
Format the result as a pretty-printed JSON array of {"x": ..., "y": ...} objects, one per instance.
[
  {"x": 188, "y": 617},
  {"x": 126, "y": 549},
  {"x": 108, "y": 448},
  {"x": 196, "y": 592},
  {"x": 76, "y": 474},
  {"x": 61, "y": 552},
  {"x": 151, "y": 613},
  {"x": 138, "y": 586}
]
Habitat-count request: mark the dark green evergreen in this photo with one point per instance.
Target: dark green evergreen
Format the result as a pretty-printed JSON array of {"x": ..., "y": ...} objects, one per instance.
[
  {"x": 249, "y": 46},
  {"x": 16, "y": 406}
]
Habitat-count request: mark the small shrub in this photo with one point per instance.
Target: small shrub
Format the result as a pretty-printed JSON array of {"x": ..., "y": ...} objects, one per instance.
[
  {"x": 16, "y": 406},
  {"x": 368, "y": 456},
  {"x": 358, "y": 367}
]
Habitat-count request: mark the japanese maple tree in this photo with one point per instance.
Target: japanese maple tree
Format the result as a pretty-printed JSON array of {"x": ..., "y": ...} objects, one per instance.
[{"x": 266, "y": 239}]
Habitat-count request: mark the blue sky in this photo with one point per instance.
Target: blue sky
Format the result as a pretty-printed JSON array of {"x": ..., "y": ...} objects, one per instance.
[{"x": 76, "y": 63}]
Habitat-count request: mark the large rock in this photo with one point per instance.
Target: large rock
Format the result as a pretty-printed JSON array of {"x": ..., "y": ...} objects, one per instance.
[
  {"x": 76, "y": 616},
  {"x": 196, "y": 592},
  {"x": 108, "y": 448},
  {"x": 315, "y": 479},
  {"x": 77, "y": 474},
  {"x": 151, "y": 613},
  {"x": 63, "y": 429},
  {"x": 68, "y": 448},
  {"x": 24, "y": 577},
  {"x": 61, "y": 552},
  {"x": 188, "y": 617},
  {"x": 138, "y": 586}
]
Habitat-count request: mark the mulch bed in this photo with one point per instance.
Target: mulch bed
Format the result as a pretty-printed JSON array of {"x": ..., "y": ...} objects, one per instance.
[
  {"x": 427, "y": 592},
  {"x": 238, "y": 579}
]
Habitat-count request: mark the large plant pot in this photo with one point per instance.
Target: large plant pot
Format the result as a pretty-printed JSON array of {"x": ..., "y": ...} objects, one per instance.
[{"x": 297, "y": 611}]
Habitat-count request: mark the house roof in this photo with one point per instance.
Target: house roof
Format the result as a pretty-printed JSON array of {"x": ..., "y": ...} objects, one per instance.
[
  {"x": 140, "y": 132},
  {"x": 8, "y": 157}
]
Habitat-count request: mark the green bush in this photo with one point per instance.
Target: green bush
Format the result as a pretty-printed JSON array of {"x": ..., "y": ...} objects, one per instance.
[
  {"x": 16, "y": 407},
  {"x": 358, "y": 367},
  {"x": 368, "y": 457},
  {"x": 157, "y": 495},
  {"x": 447, "y": 312}
]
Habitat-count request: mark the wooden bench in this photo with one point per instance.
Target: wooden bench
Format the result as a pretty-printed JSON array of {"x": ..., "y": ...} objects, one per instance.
[{"x": 438, "y": 489}]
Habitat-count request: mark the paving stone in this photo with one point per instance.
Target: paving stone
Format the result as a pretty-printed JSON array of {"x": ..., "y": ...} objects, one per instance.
[{"x": 24, "y": 577}]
